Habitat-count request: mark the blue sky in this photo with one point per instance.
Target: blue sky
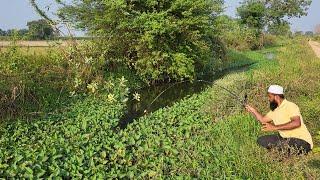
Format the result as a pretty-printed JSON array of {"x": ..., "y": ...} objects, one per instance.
[{"x": 14, "y": 14}]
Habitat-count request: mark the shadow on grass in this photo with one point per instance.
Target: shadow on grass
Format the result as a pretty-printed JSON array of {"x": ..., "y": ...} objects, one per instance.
[{"x": 314, "y": 163}]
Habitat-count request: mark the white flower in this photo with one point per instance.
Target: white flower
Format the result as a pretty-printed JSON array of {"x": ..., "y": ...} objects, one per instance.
[
  {"x": 122, "y": 81},
  {"x": 88, "y": 60},
  {"x": 136, "y": 96}
]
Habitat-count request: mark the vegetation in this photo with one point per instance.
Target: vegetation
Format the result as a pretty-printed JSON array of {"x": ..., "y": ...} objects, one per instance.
[
  {"x": 271, "y": 15},
  {"x": 37, "y": 30},
  {"x": 160, "y": 40},
  {"x": 40, "y": 30},
  {"x": 197, "y": 137},
  {"x": 62, "y": 109}
]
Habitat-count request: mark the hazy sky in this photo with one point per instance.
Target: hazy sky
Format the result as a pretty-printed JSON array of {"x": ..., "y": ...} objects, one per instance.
[{"x": 16, "y": 14}]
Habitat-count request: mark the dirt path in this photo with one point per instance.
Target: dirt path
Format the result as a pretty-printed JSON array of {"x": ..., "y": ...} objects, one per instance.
[{"x": 316, "y": 47}]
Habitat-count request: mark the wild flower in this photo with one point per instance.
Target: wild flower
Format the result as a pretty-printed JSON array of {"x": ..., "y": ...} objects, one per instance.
[
  {"x": 122, "y": 81},
  {"x": 92, "y": 87},
  {"x": 88, "y": 60},
  {"x": 111, "y": 98},
  {"x": 77, "y": 82},
  {"x": 136, "y": 96}
]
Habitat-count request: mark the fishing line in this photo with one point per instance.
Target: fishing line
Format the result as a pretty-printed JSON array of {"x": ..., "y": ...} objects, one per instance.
[{"x": 233, "y": 94}]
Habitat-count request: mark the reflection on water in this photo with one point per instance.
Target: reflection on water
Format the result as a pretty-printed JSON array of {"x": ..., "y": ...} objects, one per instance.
[{"x": 155, "y": 97}]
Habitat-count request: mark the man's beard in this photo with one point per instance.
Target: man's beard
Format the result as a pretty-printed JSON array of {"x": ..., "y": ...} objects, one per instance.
[{"x": 273, "y": 105}]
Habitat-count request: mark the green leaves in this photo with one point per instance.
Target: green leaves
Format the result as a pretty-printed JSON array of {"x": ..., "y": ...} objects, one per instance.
[{"x": 159, "y": 40}]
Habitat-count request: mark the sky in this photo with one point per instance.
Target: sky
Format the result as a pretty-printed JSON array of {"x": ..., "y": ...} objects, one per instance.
[{"x": 14, "y": 14}]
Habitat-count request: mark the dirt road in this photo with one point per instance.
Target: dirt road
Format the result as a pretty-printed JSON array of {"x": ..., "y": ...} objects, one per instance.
[{"x": 316, "y": 47}]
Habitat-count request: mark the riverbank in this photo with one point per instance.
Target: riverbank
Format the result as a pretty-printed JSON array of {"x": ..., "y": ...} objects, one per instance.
[{"x": 206, "y": 135}]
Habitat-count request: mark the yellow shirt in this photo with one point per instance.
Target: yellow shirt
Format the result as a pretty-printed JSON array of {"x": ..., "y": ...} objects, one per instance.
[{"x": 282, "y": 115}]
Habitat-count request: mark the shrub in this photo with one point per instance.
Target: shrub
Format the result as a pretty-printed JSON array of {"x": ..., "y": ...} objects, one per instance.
[
  {"x": 235, "y": 35},
  {"x": 165, "y": 40}
]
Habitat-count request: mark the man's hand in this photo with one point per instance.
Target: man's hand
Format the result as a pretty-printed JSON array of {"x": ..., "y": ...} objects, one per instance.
[
  {"x": 268, "y": 127},
  {"x": 250, "y": 109}
]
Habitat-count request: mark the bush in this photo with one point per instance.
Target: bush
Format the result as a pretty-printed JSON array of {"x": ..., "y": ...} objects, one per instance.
[
  {"x": 167, "y": 40},
  {"x": 269, "y": 40},
  {"x": 36, "y": 83},
  {"x": 235, "y": 35}
]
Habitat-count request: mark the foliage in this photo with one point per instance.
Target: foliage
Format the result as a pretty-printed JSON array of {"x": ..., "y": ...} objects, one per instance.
[
  {"x": 235, "y": 35},
  {"x": 191, "y": 139},
  {"x": 160, "y": 40},
  {"x": 308, "y": 33},
  {"x": 272, "y": 15},
  {"x": 76, "y": 144},
  {"x": 29, "y": 82},
  {"x": 40, "y": 82},
  {"x": 266, "y": 12},
  {"x": 252, "y": 13},
  {"x": 40, "y": 29},
  {"x": 11, "y": 32},
  {"x": 281, "y": 29}
]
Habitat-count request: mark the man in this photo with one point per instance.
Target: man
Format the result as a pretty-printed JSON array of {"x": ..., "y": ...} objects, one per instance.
[{"x": 285, "y": 118}]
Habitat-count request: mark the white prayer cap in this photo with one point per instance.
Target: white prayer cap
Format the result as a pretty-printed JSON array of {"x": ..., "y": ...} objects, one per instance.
[{"x": 275, "y": 89}]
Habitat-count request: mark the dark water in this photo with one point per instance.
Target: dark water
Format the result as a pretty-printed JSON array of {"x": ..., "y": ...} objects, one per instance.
[{"x": 153, "y": 98}]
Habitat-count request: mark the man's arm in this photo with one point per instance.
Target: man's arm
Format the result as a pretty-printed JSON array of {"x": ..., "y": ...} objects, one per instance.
[
  {"x": 258, "y": 115},
  {"x": 293, "y": 124}
]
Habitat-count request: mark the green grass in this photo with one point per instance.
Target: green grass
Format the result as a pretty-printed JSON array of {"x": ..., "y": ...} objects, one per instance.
[{"x": 207, "y": 135}]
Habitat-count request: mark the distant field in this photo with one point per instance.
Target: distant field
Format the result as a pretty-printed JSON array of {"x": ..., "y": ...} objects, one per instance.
[{"x": 33, "y": 43}]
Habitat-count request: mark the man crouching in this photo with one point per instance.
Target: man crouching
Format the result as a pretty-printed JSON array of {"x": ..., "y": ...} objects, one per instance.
[{"x": 284, "y": 117}]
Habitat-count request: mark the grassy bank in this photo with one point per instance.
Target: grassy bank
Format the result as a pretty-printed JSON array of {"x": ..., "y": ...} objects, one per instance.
[{"x": 207, "y": 135}]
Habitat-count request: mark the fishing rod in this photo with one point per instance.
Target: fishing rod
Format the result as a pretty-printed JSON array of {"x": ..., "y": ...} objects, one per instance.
[{"x": 242, "y": 101}]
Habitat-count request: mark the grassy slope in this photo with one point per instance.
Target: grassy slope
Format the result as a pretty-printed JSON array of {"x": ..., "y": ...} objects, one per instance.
[{"x": 208, "y": 135}]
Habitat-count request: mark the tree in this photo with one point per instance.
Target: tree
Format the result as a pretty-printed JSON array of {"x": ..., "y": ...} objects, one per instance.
[
  {"x": 2, "y": 32},
  {"x": 308, "y": 33},
  {"x": 298, "y": 33},
  {"x": 23, "y": 32},
  {"x": 40, "y": 29},
  {"x": 271, "y": 13},
  {"x": 282, "y": 29},
  {"x": 252, "y": 13},
  {"x": 159, "y": 39}
]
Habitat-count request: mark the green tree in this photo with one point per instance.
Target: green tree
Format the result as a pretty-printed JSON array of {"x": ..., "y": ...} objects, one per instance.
[
  {"x": 282, "y": 29},
  {"x": 271, "y": 14},
  {"x": 253, "y": 13},
  {"x": 40, "y": 29},
  {"x": 2, "y": 32},
  {"x": 159, "y": 39},
  {"x": 308, "y": 33}
]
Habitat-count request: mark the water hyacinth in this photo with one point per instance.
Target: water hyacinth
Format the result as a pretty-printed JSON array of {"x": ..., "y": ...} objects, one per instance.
[
  {"x": 111, "y": 98},
  {"x": 92, "y": 87},
  {"x": 108, "y": 85}
]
